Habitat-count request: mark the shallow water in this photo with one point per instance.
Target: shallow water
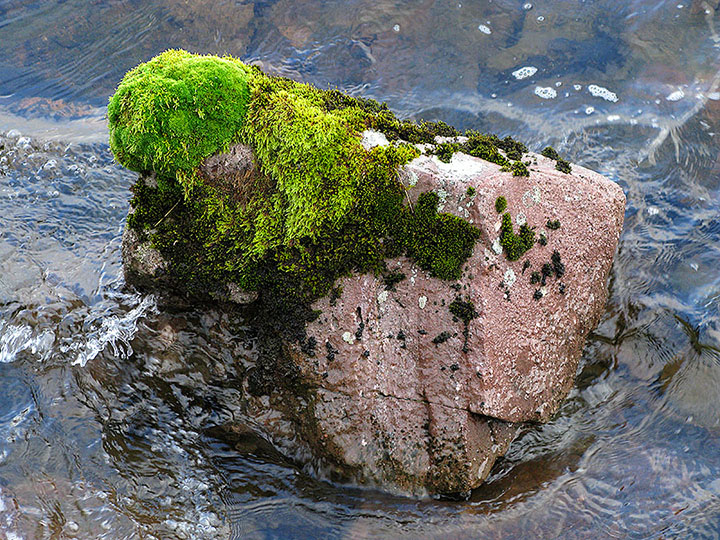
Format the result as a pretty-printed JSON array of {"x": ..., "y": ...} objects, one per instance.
[{"x": 112, "y": 414}]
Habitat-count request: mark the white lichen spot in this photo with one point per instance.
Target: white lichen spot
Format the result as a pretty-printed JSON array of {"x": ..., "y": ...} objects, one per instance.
[
  {"x": 497, "y": 246},
  {"x": 613, "y": 117},
  {"x": 543, "y": 290},
  {"x": 383, "y": 296},
  {"x": 348, "y": 338},
  {"x": 484, "y": 29},
  {"x": 396, "y": 28},
  {"x": 589, "y": 110},
  {"x": 509, "y": 278},
  {"x": 601, "y": 92},
  {"x": 677, "y": 95},
  {"x": 489, "y": 256},
  {"x": 524, "y": 72},
  {"x": 422, "y": 302},
  {"x": 653, "y": 211},
  {"x": 577, "y": 87},
  {"x": 545, "y": 92},
  {"x": 520, "y": 219},
  {"x": 532, "y": 196},
  {"x": 372, "y": 138},
  {"x": 363, "y": 442},
  {"x": 442, "y": 196}
]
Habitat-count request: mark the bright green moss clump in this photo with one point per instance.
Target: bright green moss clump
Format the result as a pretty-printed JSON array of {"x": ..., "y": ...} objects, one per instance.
[
  {"x": 317, "y": 207},
  {"x": 173, "y": 111},
  {"x": 500, "y": 204}
]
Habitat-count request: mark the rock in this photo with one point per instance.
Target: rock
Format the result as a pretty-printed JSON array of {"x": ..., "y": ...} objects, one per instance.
[
  {"x": 404, "y": 393},
  {"x": 399, "y": 359},
  {"x": 414, "y": 305}
]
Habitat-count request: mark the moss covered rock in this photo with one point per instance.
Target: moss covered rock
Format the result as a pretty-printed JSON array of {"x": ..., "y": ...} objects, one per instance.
[{"x": 318, "y": 205}]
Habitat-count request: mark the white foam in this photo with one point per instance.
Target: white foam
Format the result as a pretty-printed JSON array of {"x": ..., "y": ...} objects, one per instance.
[
  {"x": 17, "y": 338},
  {"x": 114, "y": 331},
  {"x": 545, "y": 92},
  {"x": 601, "y": 92},
  {"x": 524, "y": 72}
]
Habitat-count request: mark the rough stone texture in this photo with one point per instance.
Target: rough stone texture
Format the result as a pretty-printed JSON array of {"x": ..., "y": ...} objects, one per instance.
[
  {"x": 395, "y": 397},
  {"x": 402, "y": 394}
]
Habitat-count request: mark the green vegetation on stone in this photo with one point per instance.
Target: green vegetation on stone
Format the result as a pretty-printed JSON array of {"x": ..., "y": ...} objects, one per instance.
[
  {"x": 319, "y": 206},
  {"x": 518, "y": 168},
  {"x": 500, "y": 204},
  {"x": 173, "y": 111},
  {"x": 515, "y": 245},
  {"x": 560, "y": 164}
]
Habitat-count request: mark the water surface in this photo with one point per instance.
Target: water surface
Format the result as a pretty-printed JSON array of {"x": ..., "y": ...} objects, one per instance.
[{"x": 113, "y": 411}]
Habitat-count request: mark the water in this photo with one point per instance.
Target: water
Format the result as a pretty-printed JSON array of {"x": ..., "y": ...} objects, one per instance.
[{"x": 114, "y": 413}]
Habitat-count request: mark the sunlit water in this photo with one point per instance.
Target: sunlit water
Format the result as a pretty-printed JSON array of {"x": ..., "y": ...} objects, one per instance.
[{"x": 113, "y": 411}]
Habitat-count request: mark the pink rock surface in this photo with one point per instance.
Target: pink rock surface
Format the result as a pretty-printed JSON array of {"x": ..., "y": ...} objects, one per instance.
[
  {"x": 410, "y": 398},
  {"x": 388, "y": 386}
]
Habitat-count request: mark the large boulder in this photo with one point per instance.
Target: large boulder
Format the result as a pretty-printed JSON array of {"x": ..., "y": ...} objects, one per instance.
[
  {"x": 417, "y": 294},
  {"x": 418, "y": 384}
]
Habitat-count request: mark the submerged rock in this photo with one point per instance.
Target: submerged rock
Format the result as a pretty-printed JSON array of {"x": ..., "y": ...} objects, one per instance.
[{"x": 463, "y": 317}]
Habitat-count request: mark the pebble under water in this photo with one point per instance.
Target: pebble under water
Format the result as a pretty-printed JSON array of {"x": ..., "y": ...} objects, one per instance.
[{"x": 114, "y": 411}]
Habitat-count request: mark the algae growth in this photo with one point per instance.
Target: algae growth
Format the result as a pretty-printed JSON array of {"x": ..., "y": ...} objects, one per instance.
[{"x": 319, "y": 206}]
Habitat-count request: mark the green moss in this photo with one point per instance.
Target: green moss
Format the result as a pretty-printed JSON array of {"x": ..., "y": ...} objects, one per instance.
[
  {"x": 470, "y": 191},
  {"x": 439, "y": 243},
  {"x": 561, "y": 164},
  {"x": 550, "y": 152},
  {"x": 500, "y": 204},
  {"x": 553, "y": 225},
  {"x": 513, "y": 149},
  {"x": 463, "y": 310},
  {"x": 319, "y": 205},
  {"x": 483, "y": 147},
  {"x": 518, "y": 168},
  {"x": 173, "y": 111},
  {"x": 445, "y": 151},
  {"x": 515, "y": 245}
]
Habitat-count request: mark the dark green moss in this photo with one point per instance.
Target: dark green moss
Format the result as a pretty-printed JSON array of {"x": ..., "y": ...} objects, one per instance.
[
  {"x": 557, "y": 264},
  {"x": 470, "y": 191},
  {"x": 442, "y": 337},
  {"x": 563, "y": 166},
  {"x": 518, "y": 168},
  {"x": 500, "y": 204},
  {"x": 513, "y": 149},
  {"x": 553, "y": 225},
  {"x": 535, "y": 278},
  {"x": 549, "y": 152},
  {"x": 439, "y": 243},
  {"x": 463, "y": 310},
  {"x": 515, "y": 245},
  {"x": 445, "y": 151},
  {"x": 391, "y": 279},
  {"x": 542, "y": 239}
]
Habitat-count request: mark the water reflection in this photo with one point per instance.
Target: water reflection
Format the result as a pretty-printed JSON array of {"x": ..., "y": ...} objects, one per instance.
[{"x": 120, "y": 419}]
